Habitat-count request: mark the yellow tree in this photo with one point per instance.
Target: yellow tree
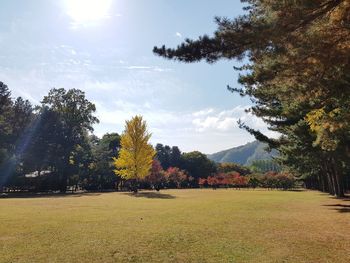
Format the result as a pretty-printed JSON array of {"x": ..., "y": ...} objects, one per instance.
[{"x": 136, "y": 154}]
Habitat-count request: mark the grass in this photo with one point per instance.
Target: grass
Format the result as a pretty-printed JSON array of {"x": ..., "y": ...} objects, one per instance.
[{"x": 176, "y": 226}]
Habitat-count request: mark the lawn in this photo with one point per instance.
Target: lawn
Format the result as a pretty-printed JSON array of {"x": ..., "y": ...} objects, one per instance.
[{"x": 176, "y": 226}]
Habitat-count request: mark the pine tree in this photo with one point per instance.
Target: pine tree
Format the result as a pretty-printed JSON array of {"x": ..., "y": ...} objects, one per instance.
[{"x": 298, "y": 75}]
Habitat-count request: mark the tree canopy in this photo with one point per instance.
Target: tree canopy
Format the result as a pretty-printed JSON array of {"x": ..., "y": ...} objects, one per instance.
[
  {"x": 136, "y": 154},
  {"x": 297, "y": 74}
]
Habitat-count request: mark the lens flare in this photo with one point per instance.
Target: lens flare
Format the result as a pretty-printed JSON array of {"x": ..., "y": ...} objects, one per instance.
[{"x": 86, "y": 11}]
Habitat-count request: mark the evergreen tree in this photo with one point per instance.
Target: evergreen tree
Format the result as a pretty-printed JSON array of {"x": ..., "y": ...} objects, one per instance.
[
  {"x": 175, "y": 156},
  {"x": 104, "y": 151},
  {"x": 75, "y": 115},
  {"x": 297, "y": 75}
]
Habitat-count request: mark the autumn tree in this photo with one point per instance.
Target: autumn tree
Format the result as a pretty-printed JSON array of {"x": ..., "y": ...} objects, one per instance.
[
  {"x": 156, "y": 178},
  {"x": 175, "y": 177},
  {"x": 296, "y": 73},
  {"x": 136, "y": 154}
]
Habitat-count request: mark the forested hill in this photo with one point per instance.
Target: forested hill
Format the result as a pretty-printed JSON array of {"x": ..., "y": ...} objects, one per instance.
[{"x": 244, "y": 154}]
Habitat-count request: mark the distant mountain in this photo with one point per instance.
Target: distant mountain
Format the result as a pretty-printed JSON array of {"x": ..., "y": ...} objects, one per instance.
[{"x": 244, "y": 154}]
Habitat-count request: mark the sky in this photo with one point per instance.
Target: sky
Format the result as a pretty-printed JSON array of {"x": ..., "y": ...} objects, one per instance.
[{"x": 104, "y": 47}]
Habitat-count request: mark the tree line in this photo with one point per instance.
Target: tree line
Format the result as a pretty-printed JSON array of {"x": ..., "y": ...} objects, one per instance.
[
  {"x": 51, "y": 138},
  {"x": 269, "y": 180},
  {"x": 296, "y": 71},
  {"x": 167, "y": 167},
  {"x": 51, "y": 147}
]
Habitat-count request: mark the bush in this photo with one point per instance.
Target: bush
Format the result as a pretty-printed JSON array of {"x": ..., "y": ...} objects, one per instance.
[
  {"x": 233, "y": 179},
  {"x": 271, "y": 180},
  {"x": 176, "y": 177},
  {"x": 156, "y": 179},
  {"x": 275, "y": 180}
]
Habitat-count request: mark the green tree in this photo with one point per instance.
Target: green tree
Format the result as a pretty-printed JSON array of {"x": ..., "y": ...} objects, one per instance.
[
  {"x": 175, "y": 156},
  {"x": 198, "y": 165},
  {"x": 5, "y": 115},
  {"x": 168, "y": 156},
  {"x": 43, "y": 148},
  {"x": 263, "y": 166},
  {"x": 104, "y": 151},
  {"x": 80, "y": 161},
  {"x": 232, "y": 167},
  {"x": 293, "y": 49},
  {"x": 163, "y": 155},
  {"x": 15, "y": 124},
  {"x": 76, "y": 117}
]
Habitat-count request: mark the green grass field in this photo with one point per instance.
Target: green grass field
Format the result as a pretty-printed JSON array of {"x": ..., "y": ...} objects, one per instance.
[{"x": 176, "y": 226}]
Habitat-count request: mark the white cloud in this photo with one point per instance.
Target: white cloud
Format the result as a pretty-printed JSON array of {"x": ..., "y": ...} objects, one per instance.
[
  {"x": 207, "y": 130},
  {"x": 121, "y": 90},
  {"x": 220, "y": 121},
  {"x": 203, "y": 112},
  {"x": 178, "y": 34},
  {"x": 140, "y": 90},
  {"x": 30, "y": 85},
  {"x": 148, "y": 68}
]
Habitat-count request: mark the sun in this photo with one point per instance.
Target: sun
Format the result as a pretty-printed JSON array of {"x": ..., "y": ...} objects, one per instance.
[{"x": 85, "y": 11}]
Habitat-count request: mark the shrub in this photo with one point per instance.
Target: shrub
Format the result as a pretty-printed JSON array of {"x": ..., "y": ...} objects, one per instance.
[
  {"x": 275, "y": 180},
  {"x": 271, "y": 180},
  {"x": 232, "y": 179},
  {"x": 175, "y": 177},
  {"x": 156, "y": 178}
]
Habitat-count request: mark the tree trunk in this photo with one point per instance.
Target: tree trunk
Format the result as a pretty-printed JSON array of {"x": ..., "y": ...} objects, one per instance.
[
  {"x": 323, "y": 178},
  {"x": 338, "y": 178},
  {"x": 331, "y": 183},
  {"x": 134, "y": 186},
  {"x": 1, "y": 184},
  {"x": 63, "y": 180},
  {"x": 63, "y": 184}
]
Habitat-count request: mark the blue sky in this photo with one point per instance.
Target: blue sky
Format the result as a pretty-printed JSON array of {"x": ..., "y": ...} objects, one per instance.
[{"x": 104, "y": 47}]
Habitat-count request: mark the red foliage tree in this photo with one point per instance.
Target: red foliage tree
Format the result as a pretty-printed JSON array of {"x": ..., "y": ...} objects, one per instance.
[
  {"x": 156, "y": 178},
  {"x": 175, "y": 176},
  {"x": 213, "y": 181},
  {"x": 227, "y": 180},
  {"x": 202, "y": 182}
]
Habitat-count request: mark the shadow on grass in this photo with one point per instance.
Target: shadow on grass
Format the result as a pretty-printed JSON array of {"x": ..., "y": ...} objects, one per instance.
[
  {"x": 341, "y": 208},
  {"x": 45, "y": 195},
  {"x": 296, "y": 190},
  {"x": 152, "y": 195}
]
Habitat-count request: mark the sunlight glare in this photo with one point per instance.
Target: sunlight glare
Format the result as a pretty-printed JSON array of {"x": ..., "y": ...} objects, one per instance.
[{"x": 85, "y": 11}]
